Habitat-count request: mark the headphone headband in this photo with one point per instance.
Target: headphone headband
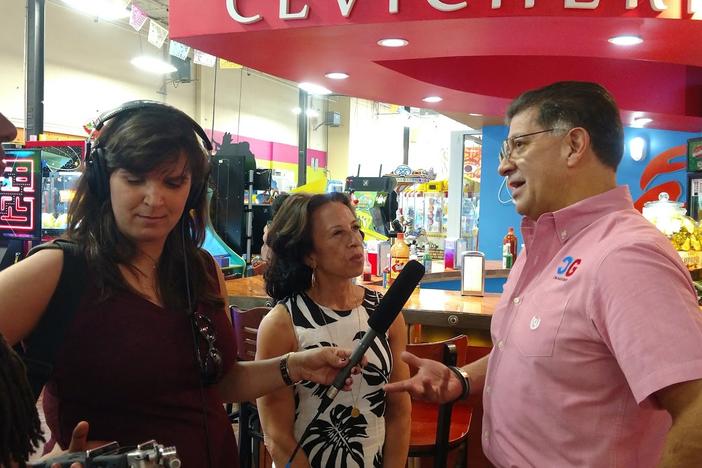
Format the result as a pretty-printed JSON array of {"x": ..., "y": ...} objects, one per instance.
[
  {"x": 96, "y": 167},
  {"x": 132, "y": 106}
]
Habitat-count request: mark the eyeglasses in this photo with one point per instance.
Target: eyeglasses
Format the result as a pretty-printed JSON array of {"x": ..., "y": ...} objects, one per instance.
[
  {"x": 211, "y": 367},
  {"x": 510, "y": 143}
]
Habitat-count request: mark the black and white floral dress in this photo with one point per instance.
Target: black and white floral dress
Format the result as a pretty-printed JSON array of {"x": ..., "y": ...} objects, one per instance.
[{"x": 351, "y": 432}]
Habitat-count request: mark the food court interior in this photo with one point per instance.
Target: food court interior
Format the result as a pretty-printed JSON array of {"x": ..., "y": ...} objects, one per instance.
[{"x": 307, "y": 97}]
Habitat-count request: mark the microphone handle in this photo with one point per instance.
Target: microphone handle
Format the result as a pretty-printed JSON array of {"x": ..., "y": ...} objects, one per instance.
[{"x": 354, "y": 359}]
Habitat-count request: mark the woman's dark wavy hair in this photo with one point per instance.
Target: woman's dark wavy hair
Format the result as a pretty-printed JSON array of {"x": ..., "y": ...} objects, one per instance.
[
  {"x": 141, "y": 141},
  {"x": 20, "y": 428},
  {"x": 290, "y": 240}
]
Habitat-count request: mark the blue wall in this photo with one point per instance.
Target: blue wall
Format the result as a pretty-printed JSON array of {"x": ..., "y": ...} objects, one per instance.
[{"x": 496, "y": 218}]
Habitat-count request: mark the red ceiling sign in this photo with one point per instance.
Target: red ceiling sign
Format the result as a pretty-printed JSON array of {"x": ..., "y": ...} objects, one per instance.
[{"x": 475, "y": 54}]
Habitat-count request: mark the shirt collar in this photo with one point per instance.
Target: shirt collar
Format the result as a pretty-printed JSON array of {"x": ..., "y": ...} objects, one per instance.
[{"x": 574, "y": 218}]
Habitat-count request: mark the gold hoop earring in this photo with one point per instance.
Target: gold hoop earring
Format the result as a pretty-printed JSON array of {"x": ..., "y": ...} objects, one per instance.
[{"x": 314, "y": 279}]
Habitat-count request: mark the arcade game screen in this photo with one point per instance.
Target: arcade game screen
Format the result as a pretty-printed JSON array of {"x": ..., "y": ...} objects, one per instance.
[
  {"x": 19, "y": 194},
  {"x": 60, "y": 169}
]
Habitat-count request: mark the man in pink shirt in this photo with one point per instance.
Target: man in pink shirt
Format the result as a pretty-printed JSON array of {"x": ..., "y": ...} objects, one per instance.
[{"x": 597, "y": 358}]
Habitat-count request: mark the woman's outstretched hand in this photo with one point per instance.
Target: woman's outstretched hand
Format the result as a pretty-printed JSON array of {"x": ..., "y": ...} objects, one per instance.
[{"x": 321, "y": 365}]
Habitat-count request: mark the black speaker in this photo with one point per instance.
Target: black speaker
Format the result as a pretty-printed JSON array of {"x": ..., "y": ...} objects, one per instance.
[
  {"x": 261, "y": 215},
  {"x": 230, "y": 175}
]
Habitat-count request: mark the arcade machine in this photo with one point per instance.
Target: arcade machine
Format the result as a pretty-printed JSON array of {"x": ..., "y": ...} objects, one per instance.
[
  {"x": 694, "y": 178},
  {"x": 20, "y": 202},
  {"x": 236, "y": 217},
  {"x": 376, "y": 204},
  {"x": 51, "y": 190},
  {"x": 60, "y": 169},
  {"x": 436, "y": 215},
  {"x": 424, "y": 209}
]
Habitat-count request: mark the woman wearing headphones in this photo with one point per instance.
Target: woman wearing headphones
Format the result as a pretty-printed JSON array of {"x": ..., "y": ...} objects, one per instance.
[{"x": 149, "y": 352}]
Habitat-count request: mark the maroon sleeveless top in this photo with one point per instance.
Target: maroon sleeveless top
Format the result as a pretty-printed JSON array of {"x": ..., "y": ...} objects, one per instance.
[{"x": 127, "y": 366}]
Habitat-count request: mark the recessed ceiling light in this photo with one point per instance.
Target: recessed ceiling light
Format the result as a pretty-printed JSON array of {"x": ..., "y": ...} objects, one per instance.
[
  {"x": 314, "y": 89},
  {"x": 625, "y": 40},
  {"x": 393, "y": 42},
  {"x": 337, "y": 75},
  {"x": 476, "y": 115},
  {"x": 640, "y": 122},
  {"x": 153, "y": 65},
  {"x": 433, "y": 99}
]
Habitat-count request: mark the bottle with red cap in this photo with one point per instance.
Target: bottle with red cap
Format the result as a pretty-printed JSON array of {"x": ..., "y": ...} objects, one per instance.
[{"x": 511, "y": 239}]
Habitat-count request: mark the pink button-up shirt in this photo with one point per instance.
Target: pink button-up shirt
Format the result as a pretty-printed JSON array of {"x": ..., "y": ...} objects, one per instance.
[{"x": 598, "y": 313}]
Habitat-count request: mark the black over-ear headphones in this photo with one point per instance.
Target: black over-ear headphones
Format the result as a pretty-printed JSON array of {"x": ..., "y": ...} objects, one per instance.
[{"x": 95, "y": 160}]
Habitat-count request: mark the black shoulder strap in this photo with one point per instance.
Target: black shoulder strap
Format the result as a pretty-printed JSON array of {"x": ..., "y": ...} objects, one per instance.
[{"x": 39, "y": 349}]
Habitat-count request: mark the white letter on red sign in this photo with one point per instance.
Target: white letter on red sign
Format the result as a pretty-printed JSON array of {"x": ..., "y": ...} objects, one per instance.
[
  {"x": 394, "y": 7},
  {"x": 441, "y": 6},
  {"x": 285, "y": 14},
  {"x": 498, "y": 4},
  {"x": 656, "y": 5},
  {"x": 231, "y": 9},
  {"x": 582, "y": 5},
  {"x": 346, "y": 7}
]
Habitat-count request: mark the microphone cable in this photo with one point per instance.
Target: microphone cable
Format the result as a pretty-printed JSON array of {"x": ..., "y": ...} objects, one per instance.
[
  {"x": 196, "y": 348},
  {"x": 303, "y": 437}
]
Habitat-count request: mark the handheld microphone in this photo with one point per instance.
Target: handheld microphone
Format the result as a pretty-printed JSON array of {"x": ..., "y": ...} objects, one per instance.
[{"x": 385, "y": 313}]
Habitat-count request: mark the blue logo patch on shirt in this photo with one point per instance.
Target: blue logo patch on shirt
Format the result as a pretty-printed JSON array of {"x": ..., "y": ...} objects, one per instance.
[{"x": 568, "y": 267}]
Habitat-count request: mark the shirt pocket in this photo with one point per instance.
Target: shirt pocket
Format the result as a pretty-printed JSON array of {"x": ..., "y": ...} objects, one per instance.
[{"x": 536, "y": 326}]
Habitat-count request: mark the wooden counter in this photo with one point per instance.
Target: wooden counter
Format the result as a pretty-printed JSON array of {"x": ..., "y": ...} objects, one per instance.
[{"x": 431, "y": 307}]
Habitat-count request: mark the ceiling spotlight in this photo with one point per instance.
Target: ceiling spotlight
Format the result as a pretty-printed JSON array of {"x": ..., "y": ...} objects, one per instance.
[
  {"x": 625, "y": 40},
  {"x": 432, "y": 99},
  {"x": 476, "y": 115},
  {"x": 314, "y": 89},
  {"x": 640, "y": 122},
  {"x": 393, "y": 42},
  {"x": 153, "y": 65},
  {"x": 337, "y": 75}
]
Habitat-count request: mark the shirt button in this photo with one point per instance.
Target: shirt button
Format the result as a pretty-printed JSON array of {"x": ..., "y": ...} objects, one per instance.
[
  {"x": 500, "y": 344},
  {"x": 487, "y": 389},
  {"x": 517, "y": 300},
  {"x": 486, "y": 434},
  {"x": 564, "y": 234}
]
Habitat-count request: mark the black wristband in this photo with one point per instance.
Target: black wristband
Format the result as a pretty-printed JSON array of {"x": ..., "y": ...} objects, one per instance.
[
  {"x": 465, "y": 384},
  {"x": 284, "y": 371}
]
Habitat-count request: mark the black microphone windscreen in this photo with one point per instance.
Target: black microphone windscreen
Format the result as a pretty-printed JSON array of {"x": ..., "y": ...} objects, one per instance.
[{"x": 391, "y": 304}]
